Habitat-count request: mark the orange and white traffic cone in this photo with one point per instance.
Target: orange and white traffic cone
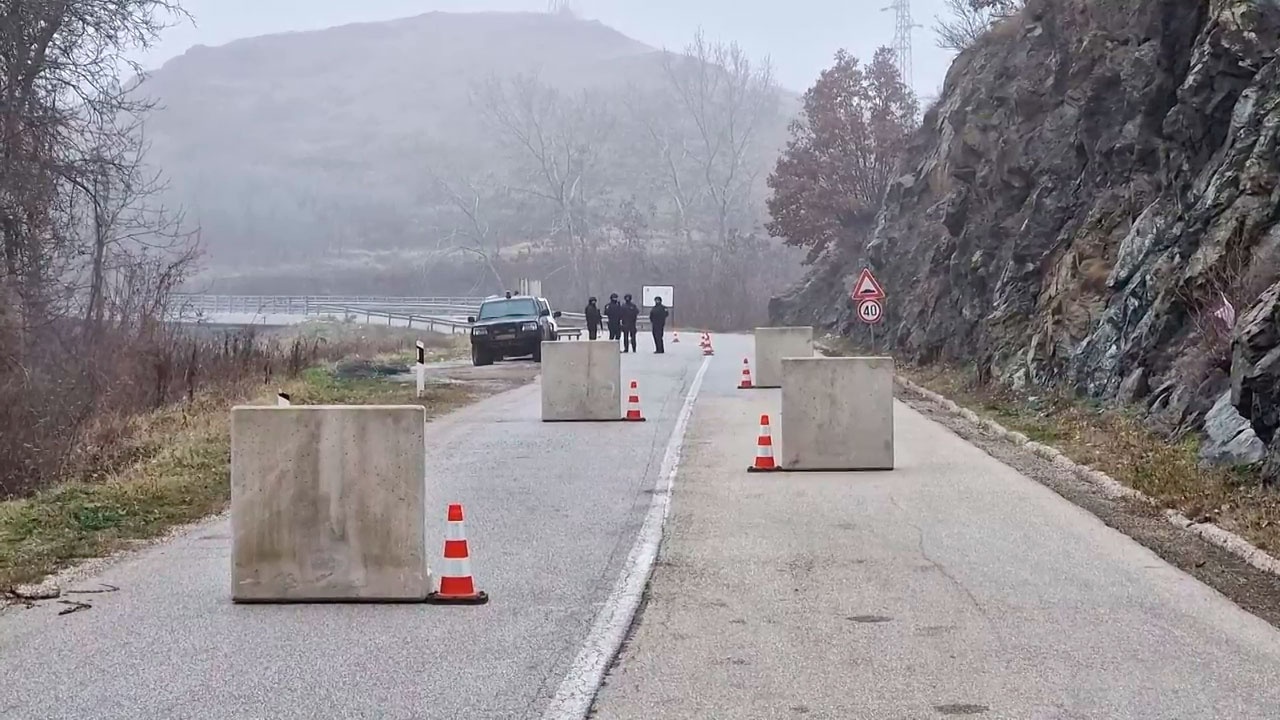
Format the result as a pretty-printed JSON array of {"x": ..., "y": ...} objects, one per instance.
[
  {"x": 457, "y": 587},
  {"x": 746, "y": 376},
  {"x": 633, "y": 404},
  {"x": 706, "y": 349},
  {"x": 764, "y": 448},
  {"x": 675, "y": 336}
]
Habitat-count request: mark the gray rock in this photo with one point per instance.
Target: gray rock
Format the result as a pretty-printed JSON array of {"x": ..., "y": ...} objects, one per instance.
[
  {"x": 1255, "y": 364},
  {"x": 1229, "y": 438},
  {"x": 1080, "y": 194}
]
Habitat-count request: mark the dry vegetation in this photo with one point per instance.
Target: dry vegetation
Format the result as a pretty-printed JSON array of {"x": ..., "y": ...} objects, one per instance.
[
  {"x": 1116, "y": 442},
  {"x": 171, "y": 466}
]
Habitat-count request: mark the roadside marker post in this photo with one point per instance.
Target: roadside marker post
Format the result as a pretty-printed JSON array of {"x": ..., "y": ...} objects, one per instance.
[
  {"x": 422, "y": 368},
  {"x": 282, "y": 399}
]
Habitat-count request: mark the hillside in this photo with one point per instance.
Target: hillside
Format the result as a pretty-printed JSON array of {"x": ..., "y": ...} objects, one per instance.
[
  {"x": 1092, "y": 204},
  {"x": 304, "y": 144}
]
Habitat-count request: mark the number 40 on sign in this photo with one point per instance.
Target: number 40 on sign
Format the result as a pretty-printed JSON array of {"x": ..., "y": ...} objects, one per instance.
[{"x": 868, "y": 293}]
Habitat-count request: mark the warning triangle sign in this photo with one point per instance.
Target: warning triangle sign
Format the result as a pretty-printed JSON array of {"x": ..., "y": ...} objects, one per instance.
[{"x": 867, "y": 287}]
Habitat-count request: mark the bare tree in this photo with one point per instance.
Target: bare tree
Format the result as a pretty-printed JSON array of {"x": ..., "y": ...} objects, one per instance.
[
  {"x": 968, "y": 20},
  {"x": 481, "y": 211},
  {"x": 725, "y": 99},
  {"x": 59, "y": 64},
  {"x": 560, "y": 142}
]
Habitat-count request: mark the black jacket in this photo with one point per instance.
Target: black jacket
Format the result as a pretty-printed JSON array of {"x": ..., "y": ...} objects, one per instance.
[
  {"x": 658, "y": 316},
  {"x": 630, "y": 316},
  {"x": 593, "y": 315},
  {"x": 613, "y": 311}
]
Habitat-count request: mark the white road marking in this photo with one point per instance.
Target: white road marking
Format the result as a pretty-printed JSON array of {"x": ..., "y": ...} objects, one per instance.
[{"x": 578, "y": 689}]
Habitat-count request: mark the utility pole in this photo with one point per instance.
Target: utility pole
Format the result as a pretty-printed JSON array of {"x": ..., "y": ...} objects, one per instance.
[{"x": 902, "y": 38}]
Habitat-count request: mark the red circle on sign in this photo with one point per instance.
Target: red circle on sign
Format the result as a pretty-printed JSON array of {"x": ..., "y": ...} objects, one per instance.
[{"x": 870, "y": 311}]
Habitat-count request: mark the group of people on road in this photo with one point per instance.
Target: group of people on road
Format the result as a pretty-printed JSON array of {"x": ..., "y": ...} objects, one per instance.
[{"x": 621, "y": 319}]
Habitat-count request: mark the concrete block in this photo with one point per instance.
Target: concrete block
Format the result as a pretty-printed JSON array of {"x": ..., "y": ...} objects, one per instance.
[
  {"x": 328, "y": 503},
  {"x": 581, "y": 380},
  {"x": 837, "y": 413},
  {"x": 775, "y": 343}
]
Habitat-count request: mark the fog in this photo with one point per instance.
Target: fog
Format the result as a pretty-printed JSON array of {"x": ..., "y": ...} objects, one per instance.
[{"x": 800, "y": 36}]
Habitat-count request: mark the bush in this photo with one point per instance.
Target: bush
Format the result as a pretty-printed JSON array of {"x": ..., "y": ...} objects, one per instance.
[{"x": 71, "y": 408}]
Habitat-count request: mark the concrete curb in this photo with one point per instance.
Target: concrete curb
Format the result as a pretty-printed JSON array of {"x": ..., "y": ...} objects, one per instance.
[{"x": 1107, "y": 485}]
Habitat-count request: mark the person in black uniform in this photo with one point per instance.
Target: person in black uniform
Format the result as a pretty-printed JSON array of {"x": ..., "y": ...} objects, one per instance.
[
  {"x": 613, "y": 311},
  {"x": 630, "y": 316},
  {"x": 594, "y": 319},
  {"x": 657, "y": 321}
]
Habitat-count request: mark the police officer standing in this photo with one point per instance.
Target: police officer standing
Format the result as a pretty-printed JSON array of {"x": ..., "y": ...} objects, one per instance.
[
  {"x": 630, "y": 316},
  {"x": 594, "y": 319},
  {"x": 613, "y": 311},
  {"x": 657, "y": 321}
]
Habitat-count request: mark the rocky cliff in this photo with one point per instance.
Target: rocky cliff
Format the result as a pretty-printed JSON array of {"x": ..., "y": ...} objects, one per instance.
[{"x": 1093, "y": 203}]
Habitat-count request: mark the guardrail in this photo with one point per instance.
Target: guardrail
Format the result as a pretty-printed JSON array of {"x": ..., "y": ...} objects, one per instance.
[
  {"x": 407, "y": 309},
  {"x": 302, "y": 304}
]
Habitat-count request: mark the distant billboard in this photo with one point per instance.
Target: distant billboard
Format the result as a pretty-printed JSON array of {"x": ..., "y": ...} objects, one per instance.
[{"x": 649, "y": 292}]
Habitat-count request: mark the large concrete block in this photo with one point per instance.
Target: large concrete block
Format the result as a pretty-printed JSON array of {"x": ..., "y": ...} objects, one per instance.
[
  {"x": 581, "y": 380},
  {"x": 837, "y": 413},
  {"x": 328, "y": 503},
  {"x": 775, "y": 343}
]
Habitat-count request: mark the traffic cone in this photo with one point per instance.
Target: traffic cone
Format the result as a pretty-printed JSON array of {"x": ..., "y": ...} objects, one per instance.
[
  {"x": 675, "y": 336},
  {"x": 706, "y": 349},
  {"x": 746, "y": 376},
  {"x": 633, "y": 404},
  {"x": 457, "y": 587},
  {"x": 764, "y": 448}
]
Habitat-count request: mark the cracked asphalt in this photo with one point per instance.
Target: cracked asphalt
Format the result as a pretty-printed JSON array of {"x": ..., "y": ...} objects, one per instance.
[
  {"x": 950, "y": 586},
  {"x": 552, "y": 512}
]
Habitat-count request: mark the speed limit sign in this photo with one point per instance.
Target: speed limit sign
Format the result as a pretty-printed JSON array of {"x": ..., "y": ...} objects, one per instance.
[{"x": 869, "y": 311}]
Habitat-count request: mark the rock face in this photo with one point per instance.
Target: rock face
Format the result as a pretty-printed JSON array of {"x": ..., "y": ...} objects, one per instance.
[{"x": 1092, "y": 203}]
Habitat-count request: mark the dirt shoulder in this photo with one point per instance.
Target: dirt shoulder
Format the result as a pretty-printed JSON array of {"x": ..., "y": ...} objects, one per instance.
[
  {"x": 183, "y": 471},
  {"x": 1114, "y": 441}
]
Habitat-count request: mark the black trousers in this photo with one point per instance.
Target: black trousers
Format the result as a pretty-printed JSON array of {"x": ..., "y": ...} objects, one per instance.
[
  {"x": 615, "y": 332},
  {"x": 657, "y": 339},
  {"x": 592, "y": 331},
  {"x": 629, "y": 339}
]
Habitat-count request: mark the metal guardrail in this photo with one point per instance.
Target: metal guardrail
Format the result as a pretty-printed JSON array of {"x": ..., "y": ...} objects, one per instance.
[
  {"x": 303, "y": 304},
  {"x": 402, "y": 307}
]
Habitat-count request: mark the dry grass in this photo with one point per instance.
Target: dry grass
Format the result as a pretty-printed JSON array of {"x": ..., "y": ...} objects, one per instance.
[
  {"x": 180, "y": 469},
  {"x": 1115, "y": 441}
]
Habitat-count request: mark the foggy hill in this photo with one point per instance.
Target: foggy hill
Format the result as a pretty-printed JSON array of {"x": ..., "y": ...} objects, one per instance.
[{"x": 311, "y": 142}]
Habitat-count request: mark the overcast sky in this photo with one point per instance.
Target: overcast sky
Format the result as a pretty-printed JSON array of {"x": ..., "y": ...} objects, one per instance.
[{"x": 800, "y": 35}]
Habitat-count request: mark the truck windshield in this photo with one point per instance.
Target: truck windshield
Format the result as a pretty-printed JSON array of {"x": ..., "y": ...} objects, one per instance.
[{"x": 515, "y": 307}]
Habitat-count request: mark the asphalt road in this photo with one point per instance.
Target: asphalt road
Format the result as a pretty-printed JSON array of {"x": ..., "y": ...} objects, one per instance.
[
  {"x": 552, "y": 511},
  {"x": 950, "y": 586}
]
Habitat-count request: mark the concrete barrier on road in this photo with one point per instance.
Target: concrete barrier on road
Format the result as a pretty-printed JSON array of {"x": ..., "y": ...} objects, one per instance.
[
  {"x": 775, "y": 343},
  {"x": 328, "y": 503},
  {"x": 581, "y": 380},
  {"x": 837, "y": 413}
]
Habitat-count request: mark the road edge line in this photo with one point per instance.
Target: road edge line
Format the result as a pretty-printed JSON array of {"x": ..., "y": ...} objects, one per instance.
[{"x": 577, "y": 692}]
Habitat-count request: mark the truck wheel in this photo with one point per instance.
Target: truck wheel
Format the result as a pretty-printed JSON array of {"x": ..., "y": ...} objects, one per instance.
[
  {"x": 537, "y": 353},
  {"x": 480, "y": 357}
]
